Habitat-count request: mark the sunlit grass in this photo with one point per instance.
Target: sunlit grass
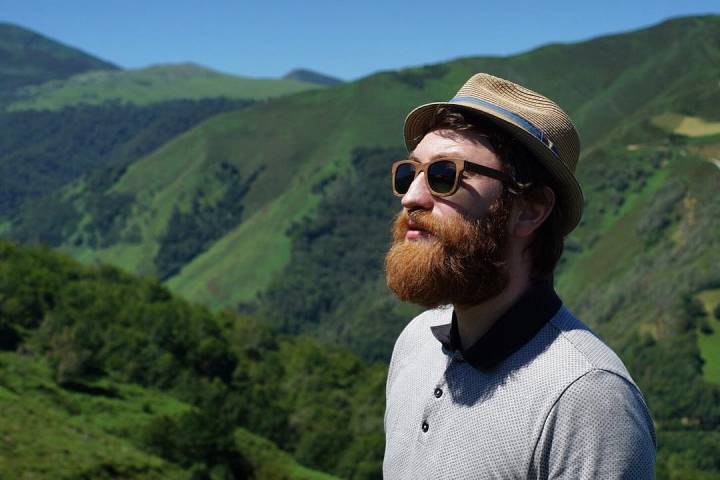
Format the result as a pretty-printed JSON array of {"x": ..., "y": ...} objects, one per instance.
[{"x": 710, "y": 343}]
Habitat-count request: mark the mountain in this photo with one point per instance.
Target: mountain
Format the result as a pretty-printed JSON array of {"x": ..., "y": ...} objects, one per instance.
[
  {"x": 150, "y": 85},
  {"x": 303, "y": 75},
  {"x": 29, "y": 58},
  {"x": 43, "y": 151},
  {"x": 59, "y": 124},
  {"x": 275, "y": 155}
]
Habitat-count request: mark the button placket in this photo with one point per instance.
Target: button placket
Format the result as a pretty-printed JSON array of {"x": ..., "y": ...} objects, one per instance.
[
  {"x": 437, "y": 393},
  {"x": 431, "y": 412}
]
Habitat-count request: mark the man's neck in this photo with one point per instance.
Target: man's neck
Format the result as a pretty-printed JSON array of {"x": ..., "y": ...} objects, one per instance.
[{"x": 474, "y": 321}]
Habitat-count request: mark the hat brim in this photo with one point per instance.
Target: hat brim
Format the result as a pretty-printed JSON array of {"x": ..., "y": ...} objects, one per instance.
[{"x": 570, "y": 197}]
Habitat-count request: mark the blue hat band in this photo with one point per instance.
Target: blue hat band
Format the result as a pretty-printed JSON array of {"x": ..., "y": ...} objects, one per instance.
[{"x": 520, "y": 120}]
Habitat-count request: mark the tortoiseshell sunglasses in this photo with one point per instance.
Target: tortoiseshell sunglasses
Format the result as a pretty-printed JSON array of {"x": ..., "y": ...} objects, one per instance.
[{"x": 442, "y": 176}]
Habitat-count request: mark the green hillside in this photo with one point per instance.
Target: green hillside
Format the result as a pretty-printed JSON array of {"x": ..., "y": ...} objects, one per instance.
[
  {"x": 52, "y": 432},
  {"x": 29, "y": 59},
  {"x": 610, "y": 85},
  {"x": 41, "y": 152},
  {"x": 150, "y": 85},
  {"x": 103, "y": 374}
]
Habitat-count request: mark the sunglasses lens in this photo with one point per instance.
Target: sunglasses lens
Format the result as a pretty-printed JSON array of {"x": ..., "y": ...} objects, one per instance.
[
  {"x": 404, "y": 176},
  {"x": 441, "y": 176}
]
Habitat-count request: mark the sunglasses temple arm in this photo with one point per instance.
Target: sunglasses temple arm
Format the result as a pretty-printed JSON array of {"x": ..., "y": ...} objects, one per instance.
[{"x": 489, "y": 172}]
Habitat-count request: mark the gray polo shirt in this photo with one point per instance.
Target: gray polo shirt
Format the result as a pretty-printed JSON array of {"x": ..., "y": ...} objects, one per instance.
[{"x": 560, "y": 404}]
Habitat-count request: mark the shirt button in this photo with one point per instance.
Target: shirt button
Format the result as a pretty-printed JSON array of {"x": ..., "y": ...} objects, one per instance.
[
  {"x": 438, "y": 392},
  {"x": 425, "y": 426}
]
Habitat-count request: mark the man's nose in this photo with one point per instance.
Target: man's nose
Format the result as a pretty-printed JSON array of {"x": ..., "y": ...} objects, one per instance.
[{"x": 418, "y": 195}]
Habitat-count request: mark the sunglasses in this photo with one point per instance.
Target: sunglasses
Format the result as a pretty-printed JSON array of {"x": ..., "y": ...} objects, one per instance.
[{"x": 442, "y": 176}]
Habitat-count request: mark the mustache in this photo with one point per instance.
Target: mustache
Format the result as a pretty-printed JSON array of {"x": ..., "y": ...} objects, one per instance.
[
  {"x": 418, "y": 220},
  {"x": 451, "y": 232}
]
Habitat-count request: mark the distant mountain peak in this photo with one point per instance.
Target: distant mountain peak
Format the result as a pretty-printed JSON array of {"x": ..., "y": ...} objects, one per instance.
[
  {"x": 187, "y": 69},
  {"x": 309, "y": 76},
  {"x": 29, "y": 58}
]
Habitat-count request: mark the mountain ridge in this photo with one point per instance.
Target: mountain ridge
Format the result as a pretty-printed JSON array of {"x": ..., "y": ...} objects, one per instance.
[
  {"x": 310, "y": 76},
  {"x": 152, "y": 84},
  {"x": 31, "y": 58}
]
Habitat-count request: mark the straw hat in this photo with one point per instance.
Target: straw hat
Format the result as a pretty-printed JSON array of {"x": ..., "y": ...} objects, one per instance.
[{"x": 532, "y": 119}]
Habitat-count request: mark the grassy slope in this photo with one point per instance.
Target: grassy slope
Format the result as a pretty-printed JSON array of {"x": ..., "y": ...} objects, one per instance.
[
  {"x": 686, "y": 125},
  {"x": 150, "y": 85},
  {"x": 271, "y": 463},
  {"x": 710, "y": 343},
  {"x": 51, "y": 433},
  {"x": 244, "y": 261},
  {"x": 48, "y": 432},
  {"x": 614, "y": 84},
  {"x": 617, "y": 243},
  {"x": 620, "y": 246}
]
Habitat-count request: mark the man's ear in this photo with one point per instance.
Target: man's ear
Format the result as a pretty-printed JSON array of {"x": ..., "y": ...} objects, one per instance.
[{"x": 532, "y": 210}]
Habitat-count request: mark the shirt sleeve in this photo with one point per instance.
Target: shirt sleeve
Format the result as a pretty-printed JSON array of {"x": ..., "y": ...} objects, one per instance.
[{"x": 600, "y": 427}]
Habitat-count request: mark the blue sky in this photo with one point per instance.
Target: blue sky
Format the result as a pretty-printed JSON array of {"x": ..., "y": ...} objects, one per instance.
[{"x": 341, "y": 38}]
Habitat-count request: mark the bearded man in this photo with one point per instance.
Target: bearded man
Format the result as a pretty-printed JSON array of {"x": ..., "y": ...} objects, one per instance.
[{"x": 498, "y": 379}]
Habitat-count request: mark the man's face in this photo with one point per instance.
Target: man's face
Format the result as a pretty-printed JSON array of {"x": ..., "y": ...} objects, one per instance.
[
  {"x": 476, "y": 192},
  {"x": 451, "y": 249}
]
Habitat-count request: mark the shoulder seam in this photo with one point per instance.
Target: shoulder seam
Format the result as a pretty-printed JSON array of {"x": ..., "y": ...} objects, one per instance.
[
  {"x": 622, "y": 372},
  {"x": 557, "y": 399}
]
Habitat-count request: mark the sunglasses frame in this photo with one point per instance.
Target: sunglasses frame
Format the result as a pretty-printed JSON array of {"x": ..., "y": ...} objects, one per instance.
[{"x": 460, "y": 167}]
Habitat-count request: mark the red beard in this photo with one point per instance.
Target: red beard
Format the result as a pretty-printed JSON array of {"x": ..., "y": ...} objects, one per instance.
[{"x": 462, "y": 263}]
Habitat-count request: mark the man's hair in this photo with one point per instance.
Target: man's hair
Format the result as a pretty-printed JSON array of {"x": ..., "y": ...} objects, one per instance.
[{"x": 528, "y": 175}]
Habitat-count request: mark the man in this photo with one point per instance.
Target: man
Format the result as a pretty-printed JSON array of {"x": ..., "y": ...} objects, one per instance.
[{"x": 499, "y": 379}]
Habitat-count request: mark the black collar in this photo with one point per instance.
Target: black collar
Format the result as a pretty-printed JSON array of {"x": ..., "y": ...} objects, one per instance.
[{"x": 513, "y": 330}]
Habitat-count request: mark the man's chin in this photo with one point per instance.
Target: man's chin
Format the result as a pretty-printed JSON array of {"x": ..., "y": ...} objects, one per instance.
[{"x": 411, "y": 271}]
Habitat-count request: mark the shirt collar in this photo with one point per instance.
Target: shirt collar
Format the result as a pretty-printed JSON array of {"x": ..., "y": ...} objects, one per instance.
[{"x": 511, "y": 331}]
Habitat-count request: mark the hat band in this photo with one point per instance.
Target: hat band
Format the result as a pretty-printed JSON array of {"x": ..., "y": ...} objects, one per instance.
[{"x": 523, "y": 122}]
